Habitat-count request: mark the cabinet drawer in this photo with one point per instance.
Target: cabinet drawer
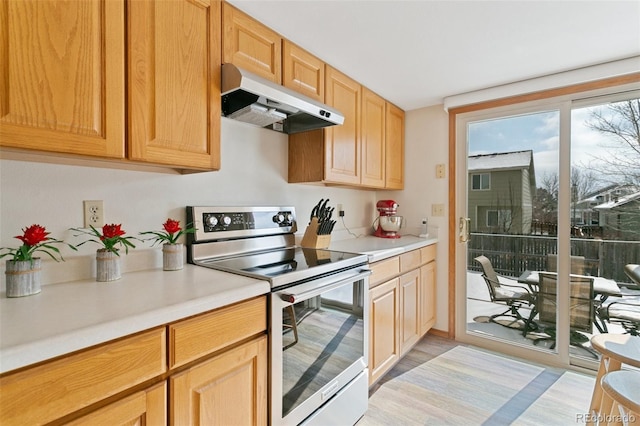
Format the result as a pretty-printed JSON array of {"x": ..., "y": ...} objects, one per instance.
[
  {"x": 428, "y": 253},
  {"x": 204, "y": 334},
  {"x": 383, "y": 270},
  {"x": 410, "y": 260},
  {"x": 49, "y": 391}
]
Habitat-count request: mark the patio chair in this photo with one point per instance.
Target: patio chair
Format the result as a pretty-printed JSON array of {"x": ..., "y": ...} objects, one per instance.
[
  {"x": 577, "y": 264},
  {"x": 509, "y": 292},
  {"x": 625, "y": 312},
  {"x": 581, "y": 308}
]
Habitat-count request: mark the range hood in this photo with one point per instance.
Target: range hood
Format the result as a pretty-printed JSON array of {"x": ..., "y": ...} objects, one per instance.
[{"x": 252, "y": 99}]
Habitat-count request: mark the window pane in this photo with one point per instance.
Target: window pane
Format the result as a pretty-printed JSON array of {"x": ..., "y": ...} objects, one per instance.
[
  {"x": 484, "y": 184},
  {"x": 476, "y": 181},
  {"x": 605, "y": 202},
  {"x": 513, "y": 170}
]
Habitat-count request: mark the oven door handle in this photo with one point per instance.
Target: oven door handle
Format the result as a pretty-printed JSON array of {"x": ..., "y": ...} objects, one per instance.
[{"x": 296, "y": 297}]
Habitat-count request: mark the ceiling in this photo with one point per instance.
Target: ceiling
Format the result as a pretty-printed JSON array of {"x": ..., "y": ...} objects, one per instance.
[{"x": 415, "y": 53}]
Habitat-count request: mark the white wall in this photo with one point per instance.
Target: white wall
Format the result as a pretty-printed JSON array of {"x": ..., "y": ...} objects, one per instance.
[
  {"x": 253, "y": 172},
  {"x": 426, "y": 145}
]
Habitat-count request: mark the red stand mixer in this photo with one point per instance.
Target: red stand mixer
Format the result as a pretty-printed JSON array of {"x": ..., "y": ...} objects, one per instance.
[{"x": 389, "y": 222}]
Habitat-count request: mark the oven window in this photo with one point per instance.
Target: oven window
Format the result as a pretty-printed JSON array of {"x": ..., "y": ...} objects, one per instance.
[{"x": 322, "y": 336}]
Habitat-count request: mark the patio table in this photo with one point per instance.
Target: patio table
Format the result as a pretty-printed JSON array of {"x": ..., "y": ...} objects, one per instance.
[{"x": 602, "y": 288}]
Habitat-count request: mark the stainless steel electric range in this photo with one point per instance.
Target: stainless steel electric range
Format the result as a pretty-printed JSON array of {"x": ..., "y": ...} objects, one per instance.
[{"x": 318, "y": 310}]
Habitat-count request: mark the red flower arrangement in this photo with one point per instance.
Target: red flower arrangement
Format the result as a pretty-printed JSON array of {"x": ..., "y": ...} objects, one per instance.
[
  {"x": 173, "y": 231},
  {"x": 112, "y": 235},
  {"x": 34, "y": 239}
]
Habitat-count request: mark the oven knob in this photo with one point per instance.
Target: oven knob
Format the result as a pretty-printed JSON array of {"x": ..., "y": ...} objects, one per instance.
[
  {"x": 289, "y": 218},
  {"x": 226, "y": 220},
  {"x": 288, "y": 298},
  {"x": 279, "y": 218},
  {"x": 212, "y": 221}
]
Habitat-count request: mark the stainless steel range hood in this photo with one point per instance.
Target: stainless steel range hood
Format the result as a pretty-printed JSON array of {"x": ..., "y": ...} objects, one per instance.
[{"x": 253, "y": 99}]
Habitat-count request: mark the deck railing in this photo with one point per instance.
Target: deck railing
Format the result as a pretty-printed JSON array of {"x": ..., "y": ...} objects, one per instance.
[{"x": 513, "y": 254}]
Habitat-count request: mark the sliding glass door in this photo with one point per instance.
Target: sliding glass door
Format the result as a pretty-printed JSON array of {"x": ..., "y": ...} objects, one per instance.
[{"x": 550, "y": 192}]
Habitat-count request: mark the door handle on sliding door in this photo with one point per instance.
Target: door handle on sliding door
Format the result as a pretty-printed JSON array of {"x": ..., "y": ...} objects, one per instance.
[{"x": 463, "y": 228}]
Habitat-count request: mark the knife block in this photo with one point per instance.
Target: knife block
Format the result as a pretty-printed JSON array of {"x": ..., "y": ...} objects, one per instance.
[{"x": 311, "y": 239}]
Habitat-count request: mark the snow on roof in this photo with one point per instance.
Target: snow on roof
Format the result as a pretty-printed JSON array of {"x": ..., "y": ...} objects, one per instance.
[
  {"x": 618, "y": 202},
  {"x": 500, "y": 160}
]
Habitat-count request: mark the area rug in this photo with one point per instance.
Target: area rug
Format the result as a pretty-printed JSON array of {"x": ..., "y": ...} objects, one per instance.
[{"x": 464, "y": 386}]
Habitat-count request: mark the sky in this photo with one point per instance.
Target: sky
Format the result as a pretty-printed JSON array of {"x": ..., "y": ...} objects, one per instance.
[{"x": 540, "y": 133}]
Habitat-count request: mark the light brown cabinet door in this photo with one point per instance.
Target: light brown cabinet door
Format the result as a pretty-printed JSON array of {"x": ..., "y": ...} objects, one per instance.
[
  {"x": 394, "y": 149},
  {"x": 62, "y": 76},
  {"x": 384, "y": 331},
  {"x": 250, "y": 45},
  {"x": 409, "y": 310},
  {"x": 302, "y": 72},
  {"x": 174, "y": 83},
  {"x": 76, "y": 381},
  {"x": 342, "y": 143},
  {"x": 142, "y": 408},
  {"x": 373, "y": 139},
  {"x": 229, "y": 389},
  {"x": 427, "y": 297}
]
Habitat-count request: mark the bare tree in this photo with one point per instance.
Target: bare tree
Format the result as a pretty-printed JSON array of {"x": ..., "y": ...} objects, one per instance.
[
  {"x": 583, "y": 183},
  {"x": 620, "y": 122}
]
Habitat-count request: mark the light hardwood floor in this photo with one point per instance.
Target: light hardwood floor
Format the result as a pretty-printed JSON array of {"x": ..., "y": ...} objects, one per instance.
[{"x": 441, "y": 382}]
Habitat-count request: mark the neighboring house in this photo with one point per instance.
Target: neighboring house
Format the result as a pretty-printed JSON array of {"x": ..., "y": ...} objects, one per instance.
[
  {"x": 609, "y": 212},
  {"x": 501, "y": 190},
  {"x": 620, "y": 217}
]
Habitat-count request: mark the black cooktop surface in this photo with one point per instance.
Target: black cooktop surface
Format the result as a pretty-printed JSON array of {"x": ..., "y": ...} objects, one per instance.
[{"x": 289, "y": 265}]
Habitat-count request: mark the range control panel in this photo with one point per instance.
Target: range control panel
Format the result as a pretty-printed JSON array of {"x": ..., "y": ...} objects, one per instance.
[
  {"x": 228, "y": 221},
  {"x": 231, "y": 222}
]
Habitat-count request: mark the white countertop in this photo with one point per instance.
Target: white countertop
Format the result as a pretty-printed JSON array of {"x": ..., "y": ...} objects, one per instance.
[
  {"x": 70, "y": 316},
  {"x": 381, "y": 248}
]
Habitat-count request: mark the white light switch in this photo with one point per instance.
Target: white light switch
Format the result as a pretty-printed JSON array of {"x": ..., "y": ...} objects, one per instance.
[{"x": 437, "y": 209}]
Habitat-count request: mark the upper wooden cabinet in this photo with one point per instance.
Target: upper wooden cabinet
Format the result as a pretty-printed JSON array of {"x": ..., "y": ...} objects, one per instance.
[
  {"x": 342, "y": 143},
  {"x": 373, "y": 139},
  {"x": 251, "y": 45},
  {"x": 62, "y": 76},
  {"x": 394, "y": 147},
  {"x": 367, "y": 151},
  {"x": 174, "y": 83},
  {"x": 338, "y": 146},
  {"x": 302, "y": 72}
]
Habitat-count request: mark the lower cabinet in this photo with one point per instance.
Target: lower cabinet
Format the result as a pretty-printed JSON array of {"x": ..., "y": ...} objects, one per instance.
[
  {"x": 427, "y": 296},
  {"x": 402, "y": 307},
  {"x": 384, "y": 332},
  {"x": 210, "y": 369},
  {"x": 410, "y": 310},
  {"x": 147, "y": 407},
  {"x": 229, "y": 389}
]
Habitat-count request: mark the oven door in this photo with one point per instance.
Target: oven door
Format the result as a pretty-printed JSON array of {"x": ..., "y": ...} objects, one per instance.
[{"x": 319, "y": 345}]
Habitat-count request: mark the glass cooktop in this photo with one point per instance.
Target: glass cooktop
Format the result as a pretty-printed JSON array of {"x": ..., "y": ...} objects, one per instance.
[{"x": 286, "y": 266}]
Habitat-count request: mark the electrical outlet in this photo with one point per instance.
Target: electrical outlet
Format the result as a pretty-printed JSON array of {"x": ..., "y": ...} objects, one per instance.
[
  {"x": 440, "y": 171},
  {"x": 340, "y": 211},
  {"x": 437, "y": 209},
  {"x": 93, "y": 213}
]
